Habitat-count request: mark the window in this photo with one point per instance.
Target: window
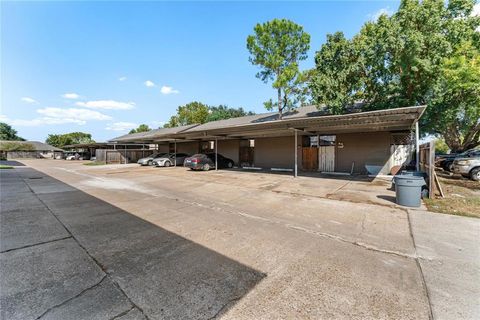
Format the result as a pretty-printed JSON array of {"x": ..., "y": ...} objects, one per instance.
[{"x": 327, "y": 140}]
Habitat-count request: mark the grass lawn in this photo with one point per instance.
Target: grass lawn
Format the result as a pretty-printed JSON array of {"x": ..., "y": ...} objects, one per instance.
[
  {"x": 94, "y": 163},
  {"x": 2, "y": 166},
  {"x": 462, "y": 197}
]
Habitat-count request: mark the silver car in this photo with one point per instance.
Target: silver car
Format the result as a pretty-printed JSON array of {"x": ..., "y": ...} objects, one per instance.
[
  {"x": 468, "y": 166},
  {"x": 148, "y": 161},
  {"x": 168, "y": 160}
]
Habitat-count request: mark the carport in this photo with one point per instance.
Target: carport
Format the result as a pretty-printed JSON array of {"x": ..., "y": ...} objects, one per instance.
[{"x": 305, "y": 138}]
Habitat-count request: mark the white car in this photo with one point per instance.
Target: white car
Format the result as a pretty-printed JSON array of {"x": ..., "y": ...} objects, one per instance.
[{"x": 168, "y": 160}]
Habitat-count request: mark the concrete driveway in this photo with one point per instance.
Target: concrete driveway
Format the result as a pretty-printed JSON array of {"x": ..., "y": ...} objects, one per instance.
[{"x": 126, "y": 242}]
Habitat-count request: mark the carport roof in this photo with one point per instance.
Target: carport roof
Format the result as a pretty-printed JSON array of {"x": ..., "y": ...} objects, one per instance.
[
  {"x": 152, "y": 135},
  {"x": 306, "y": 120}
]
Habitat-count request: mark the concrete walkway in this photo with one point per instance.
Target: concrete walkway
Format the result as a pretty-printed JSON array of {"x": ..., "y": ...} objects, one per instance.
[{"x": 95, "y": 243}]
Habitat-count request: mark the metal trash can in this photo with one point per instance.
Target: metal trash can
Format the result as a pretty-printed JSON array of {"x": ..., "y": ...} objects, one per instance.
[{"x": 408, "y": 190}]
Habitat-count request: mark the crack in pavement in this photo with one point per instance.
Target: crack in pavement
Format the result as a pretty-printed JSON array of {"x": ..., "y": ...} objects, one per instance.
[
  {"x": 101, "y": 266},
  {"x": 36, "y": 244},
  {"x": 72, "y": 298},
  {"x": 294, "y": 227},
  {"x": 221, "y": 310},
  {"x": 419, "y": 266},
  {"x": 121, "y": 314}
]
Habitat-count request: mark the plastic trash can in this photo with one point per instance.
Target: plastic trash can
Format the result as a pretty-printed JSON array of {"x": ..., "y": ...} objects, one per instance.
[{"x": 408, "y": 190}]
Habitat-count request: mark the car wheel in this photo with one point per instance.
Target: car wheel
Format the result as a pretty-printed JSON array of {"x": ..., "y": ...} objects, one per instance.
[
  {"x": 206, "y": 167},
  {"x": 149, "y": 163},
  {"x": 475, "y": 174},
  {"x": 167, "y": 164},
  {"x": 446, "y": 165},
  {"x": 230, "y": 164},
  {"x": 450, "y": 167}
]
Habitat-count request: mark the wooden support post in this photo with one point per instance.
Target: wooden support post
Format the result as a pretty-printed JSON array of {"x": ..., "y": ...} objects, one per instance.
[
  {"x": 417, "y": 148},
  {"x": 175, "y": 150},
  {"x": 296, "y": 155}
]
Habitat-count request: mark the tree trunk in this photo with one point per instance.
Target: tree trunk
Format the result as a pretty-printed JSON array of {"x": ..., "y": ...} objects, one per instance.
[{"x": 280, "y": 108}]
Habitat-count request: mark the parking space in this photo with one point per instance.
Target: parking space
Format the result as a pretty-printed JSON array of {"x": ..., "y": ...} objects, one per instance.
[{"x": 170, "y": 243}]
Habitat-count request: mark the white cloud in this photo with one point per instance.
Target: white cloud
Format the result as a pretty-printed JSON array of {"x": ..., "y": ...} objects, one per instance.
[
  {"x": 122, "y": 78},
  {"x": 476, "y": 10},
  {"x": 121, "y": 126},
  {"x": 374, "y": 16},
  {"x": 107, "y": 104},
  {"x": 149, "y": 83},
  {"x": 168, "y": 90},
  {"x": 51, "y": 116},
  {"x": 70, "y": 95},
  {"x": 28, "y": 100},
  {"x": 73, "y": 113}
]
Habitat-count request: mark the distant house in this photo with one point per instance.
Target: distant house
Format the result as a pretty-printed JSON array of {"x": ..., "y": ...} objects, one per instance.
[{"x": 28, "y": 149}]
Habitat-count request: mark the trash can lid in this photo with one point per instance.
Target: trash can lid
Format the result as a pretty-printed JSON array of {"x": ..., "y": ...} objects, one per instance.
[{"x": 409, "y": 181}]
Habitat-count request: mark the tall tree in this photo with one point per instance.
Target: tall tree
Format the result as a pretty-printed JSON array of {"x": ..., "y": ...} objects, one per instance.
[
  {"x": 224, "y": 112},
  {"x": 191, "y": 113},
  {"x": 8, "y": 133},
  {"x": 278, "y": 46},
  {"x": 405, "y": 60},
  {"x": 61, "y": 140},
  {"x": 141, "y": 128}
]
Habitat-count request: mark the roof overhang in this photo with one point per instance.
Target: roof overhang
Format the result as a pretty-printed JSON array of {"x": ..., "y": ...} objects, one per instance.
[{"x": 400, "y": 119}]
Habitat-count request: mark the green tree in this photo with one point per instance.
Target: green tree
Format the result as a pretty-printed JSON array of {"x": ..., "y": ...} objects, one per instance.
[
  {"x": 224, "y": 112},
  {"x": 191, "y": 113},
  {"x": 141, "y": 128},
  {"x": 278, "y": 46},
  {"x": 8, "y": 133},
  {"x": 61, "y": 140},
  {"x": 406, "y": 60},
  {"x": 16, "y": 146}
]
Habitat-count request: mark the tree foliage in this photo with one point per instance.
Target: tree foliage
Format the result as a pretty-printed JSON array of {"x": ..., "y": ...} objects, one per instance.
[
  {"x": 412, "y": 58},
  {"x": 8, "y": 133},
  {"x": 224, "y": 112},
  {"x": 198, "y": 113},
  {"x": 16, "y": 146},
  {"x": 278, "y": 46},
  {"x": 61, "y": 140},
  {"x": 141, "y": 128}
]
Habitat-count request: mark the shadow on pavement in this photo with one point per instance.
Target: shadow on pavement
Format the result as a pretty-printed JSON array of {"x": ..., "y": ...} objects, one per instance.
[
  {"x": 164, "y": 274},
  {"x": 12, "y": 163}
]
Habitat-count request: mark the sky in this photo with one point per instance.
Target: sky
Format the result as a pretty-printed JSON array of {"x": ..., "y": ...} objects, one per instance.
[{"x": 106, "y": 67}]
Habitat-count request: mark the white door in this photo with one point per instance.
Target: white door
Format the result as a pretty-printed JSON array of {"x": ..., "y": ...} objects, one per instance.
[{"x": 326, "y": 158}]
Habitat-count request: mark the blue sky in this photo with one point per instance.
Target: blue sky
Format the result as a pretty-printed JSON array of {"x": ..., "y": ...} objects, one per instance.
[{"x": 102, "y": 67}]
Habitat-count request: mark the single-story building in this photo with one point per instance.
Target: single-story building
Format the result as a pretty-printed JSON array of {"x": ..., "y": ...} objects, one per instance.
[
  {"x": 28, "y": 149},
  {"x": 305, "y": 139}
]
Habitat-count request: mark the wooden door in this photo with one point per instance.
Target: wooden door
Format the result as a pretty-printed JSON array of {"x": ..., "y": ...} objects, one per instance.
[
  {"x": 310, "y": 158},
  {"x": 246, "y": 156},
  {"x": 326, "y": 158}
]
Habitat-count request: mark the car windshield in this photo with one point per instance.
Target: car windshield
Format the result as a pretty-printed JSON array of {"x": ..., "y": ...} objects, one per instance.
[{"x": 159, "y": 155}]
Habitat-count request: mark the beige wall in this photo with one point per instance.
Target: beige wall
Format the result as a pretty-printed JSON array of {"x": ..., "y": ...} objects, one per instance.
[
  {"x": 189, "y": 148},
  {"x": 276, "y": 152},
  {"x": 229, "y": 149},
  {"x": 363, "y": 148}
]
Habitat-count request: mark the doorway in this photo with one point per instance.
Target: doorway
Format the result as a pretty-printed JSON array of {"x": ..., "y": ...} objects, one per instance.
[
  {"x": 326, "y": 153},
  {"x": 246, "y": 153}
]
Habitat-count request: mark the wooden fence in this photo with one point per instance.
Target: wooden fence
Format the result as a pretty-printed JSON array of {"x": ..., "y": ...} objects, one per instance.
[
  {"x": 427, "y": 165},
  {"x": 121, "y": 156}
]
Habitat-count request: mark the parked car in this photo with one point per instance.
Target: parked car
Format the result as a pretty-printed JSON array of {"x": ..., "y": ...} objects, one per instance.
[
  {"x": 207, "y": 161},
  {"x": 148, "y": 161},
  {"x": 446, "y": 161},
  {"x": 169, "y": 160},
  {"x": 468, "y": 166},
  {"x": 76, "y": 156}
]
